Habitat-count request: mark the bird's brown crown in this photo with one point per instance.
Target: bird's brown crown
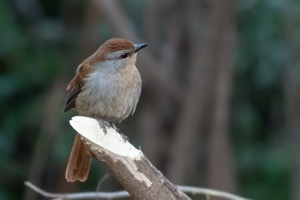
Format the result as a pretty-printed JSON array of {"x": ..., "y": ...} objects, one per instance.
[
  {"x": 110, "y": 46},
  {"x": 117, "y": 44}
]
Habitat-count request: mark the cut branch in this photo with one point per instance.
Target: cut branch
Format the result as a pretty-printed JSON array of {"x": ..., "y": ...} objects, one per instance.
[{"x": 127, "y": 164}]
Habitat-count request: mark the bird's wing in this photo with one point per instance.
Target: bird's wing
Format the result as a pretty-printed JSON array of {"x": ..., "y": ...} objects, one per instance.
[{"x": 76, "y": 84}]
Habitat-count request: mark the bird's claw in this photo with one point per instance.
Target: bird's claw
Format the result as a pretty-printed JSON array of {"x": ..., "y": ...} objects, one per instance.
[{"x": 125, "y": 138}]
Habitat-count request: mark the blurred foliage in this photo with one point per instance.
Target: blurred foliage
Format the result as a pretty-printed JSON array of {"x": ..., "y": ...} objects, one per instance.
[
  {"x": 40, "y": 46},
  {"x": 258, "y": 113}
]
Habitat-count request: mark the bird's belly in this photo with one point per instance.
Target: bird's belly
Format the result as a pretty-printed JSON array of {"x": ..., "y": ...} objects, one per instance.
[
  {"x": 100, "y": 110},
  {"x": 110, "y": 101}
]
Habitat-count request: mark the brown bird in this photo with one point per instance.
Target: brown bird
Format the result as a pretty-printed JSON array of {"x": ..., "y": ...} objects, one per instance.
[{"x": 107, "y": 86}]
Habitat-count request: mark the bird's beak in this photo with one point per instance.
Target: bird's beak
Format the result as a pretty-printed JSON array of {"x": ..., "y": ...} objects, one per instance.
[{"x": 138, "y": 47}]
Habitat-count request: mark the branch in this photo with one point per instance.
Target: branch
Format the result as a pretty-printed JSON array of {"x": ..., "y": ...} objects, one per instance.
[
  {"x": 127, "y": 164},
  {"x": 124, "y": 194}
]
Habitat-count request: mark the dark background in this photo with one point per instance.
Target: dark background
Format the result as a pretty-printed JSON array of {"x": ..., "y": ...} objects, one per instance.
[{"x": 220, "y": 105}]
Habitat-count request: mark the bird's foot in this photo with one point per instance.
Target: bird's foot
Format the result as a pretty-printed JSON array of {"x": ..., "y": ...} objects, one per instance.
[{"x": 104, "y": 125}]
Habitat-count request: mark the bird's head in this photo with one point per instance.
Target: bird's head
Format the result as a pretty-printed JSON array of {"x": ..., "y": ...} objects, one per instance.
[{"x": 116, "y": 53}]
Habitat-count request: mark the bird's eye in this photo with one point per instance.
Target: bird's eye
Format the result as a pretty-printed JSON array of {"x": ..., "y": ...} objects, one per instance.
[{"x": 124, "y": 55}]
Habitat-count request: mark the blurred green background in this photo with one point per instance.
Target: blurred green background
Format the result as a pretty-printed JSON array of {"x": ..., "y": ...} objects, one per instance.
[{"x": 220, "y": 106}]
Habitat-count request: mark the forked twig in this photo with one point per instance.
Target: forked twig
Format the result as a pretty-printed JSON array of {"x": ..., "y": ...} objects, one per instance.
[{"x": 123, "y": 194}]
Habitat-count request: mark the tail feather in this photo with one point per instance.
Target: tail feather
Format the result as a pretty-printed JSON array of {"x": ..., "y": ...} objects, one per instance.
[{"x": 79, "y": 162}]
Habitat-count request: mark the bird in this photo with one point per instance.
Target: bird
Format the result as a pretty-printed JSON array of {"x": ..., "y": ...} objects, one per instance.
[{"x": 107, "y": 86}]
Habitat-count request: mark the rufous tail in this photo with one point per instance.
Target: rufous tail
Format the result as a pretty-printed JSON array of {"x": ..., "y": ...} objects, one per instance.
[{"x": 79, "y": 162}]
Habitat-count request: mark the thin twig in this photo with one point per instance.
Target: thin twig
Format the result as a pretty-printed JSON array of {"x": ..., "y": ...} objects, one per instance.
[
  {"x": 123, "y": 194},
  {"x": 209, "y": 192},
  {"x": 81, "y": 195},
  {"x": 42, "y": 192}
]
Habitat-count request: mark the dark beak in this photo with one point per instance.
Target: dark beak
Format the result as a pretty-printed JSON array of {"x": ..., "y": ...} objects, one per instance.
[{"x": 138, "y": 47}]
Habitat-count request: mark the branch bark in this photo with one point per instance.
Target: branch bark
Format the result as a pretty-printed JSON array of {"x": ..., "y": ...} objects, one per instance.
[{"x": 128, "y": 165}]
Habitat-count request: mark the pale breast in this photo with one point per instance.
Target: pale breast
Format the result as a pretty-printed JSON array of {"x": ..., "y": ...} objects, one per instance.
[{"x": 111, "y": 97}]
